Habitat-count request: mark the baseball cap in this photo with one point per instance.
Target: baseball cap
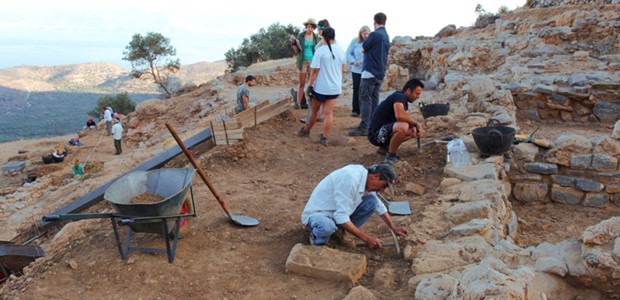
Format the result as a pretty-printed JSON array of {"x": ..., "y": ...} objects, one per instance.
[{"x": 386, "y": 172}]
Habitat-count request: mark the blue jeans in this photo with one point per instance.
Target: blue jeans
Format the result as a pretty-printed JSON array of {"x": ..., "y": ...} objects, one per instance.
[
  {"x": 369, "y": 99},
  {"x": 323, "y": 226}
]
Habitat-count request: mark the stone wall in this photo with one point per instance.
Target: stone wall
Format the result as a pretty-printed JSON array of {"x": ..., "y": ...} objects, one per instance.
[{"x": 578, "y": 170}]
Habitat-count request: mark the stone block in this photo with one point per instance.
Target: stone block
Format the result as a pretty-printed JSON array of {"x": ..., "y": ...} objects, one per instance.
[
  {"x": 486, "y": 189},
  {"x": 463, "y": 212},
  {"x": 526, "y": 177},
  {"x": 612, "y": 189},
  {"x": 447, "y": 182},
  {"x": 616, "y": 131},
  {"x": 567, "y": 145},
  {"x": 532, "y": 114},
  {"x": 604, "y": 162},
  {"x": 326, "y": 263},
  {"x": 541, "y": 168},
  {"x": 580, "y": 173},
  {"x": 596, "y": 199},
  {"x": 472, "y": 173},
  {"x": 616, "y": 199},
  {"x": 566, "y": 195},
  {"x": 602, "y": 233},
  {"x": 581, "y": 161},
  {"x": 438, "y": 256},
  {"x": 616, "y": 251},
  {"x": 530, "y": 191},
  {"x": 608, "y": 178},
  {"x": 560, "y": 100},
  {"x": 525, "y": 152},
  {"x": 564, "y": 181},
  {"x": 588, "y": 185},
  {"x": 360, "y": 293},
  {"x": 606, "y": 111},
  {"x": 475, "y": 226},
  {"x": 551, "y": 265},
  {"x": 606, "y": 144},
  {"x": 415, "y": 188}
]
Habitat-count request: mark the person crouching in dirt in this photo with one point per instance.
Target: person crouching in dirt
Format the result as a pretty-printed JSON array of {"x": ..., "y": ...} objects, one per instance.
[
  {"x": 345, "y": 200},
  {"x": 391, "y": 125},
  {"x": 90, "y": 124}
]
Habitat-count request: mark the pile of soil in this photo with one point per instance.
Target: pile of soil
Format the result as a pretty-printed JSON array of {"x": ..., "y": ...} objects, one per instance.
[{"x": 146, "y": 198}]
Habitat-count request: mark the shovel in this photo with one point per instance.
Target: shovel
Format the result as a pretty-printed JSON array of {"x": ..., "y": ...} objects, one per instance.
[
  {"x": 400, "y": 208},
  {"x": 237, "y": 219}
]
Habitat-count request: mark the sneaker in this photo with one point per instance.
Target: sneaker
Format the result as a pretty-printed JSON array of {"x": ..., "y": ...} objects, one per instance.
[
  {"x": 355, "y": 115},
  {"x": 344, "y": 239},
  {"x": 382, "y": 151},
  {"x": 302, "y": 120},
  {"x": 358, "y": 132},
  {"x": 296, "y": 105},
  {"x": 303, "y": 133},
  {"x": 323, "y": 140},
  {"x": 391, "y": 158},
  {"x": 311, "y": 238}
]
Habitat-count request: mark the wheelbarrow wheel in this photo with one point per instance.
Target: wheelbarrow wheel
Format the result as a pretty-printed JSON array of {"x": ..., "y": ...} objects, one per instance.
[{"x": 186, "y": 209}]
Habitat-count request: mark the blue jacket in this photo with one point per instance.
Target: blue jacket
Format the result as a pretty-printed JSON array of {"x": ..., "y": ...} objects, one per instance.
[
  {"x": 376, "y": 48},
  {"x": 354, "y": 53}
]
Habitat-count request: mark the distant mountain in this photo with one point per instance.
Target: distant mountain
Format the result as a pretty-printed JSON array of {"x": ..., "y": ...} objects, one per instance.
[{"x": 99, "y": 78}]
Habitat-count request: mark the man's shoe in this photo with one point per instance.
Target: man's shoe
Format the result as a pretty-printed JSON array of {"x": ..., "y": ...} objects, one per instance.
[
  {"x": 391, "y": 158},
  {"x": 344, "y": 239},
  {"x": 303, "y": 133},
  {"x": 323, "y": 140},
  {"x": 358, "y": 132},
  {"x": 382, "y": 151},
  {"x": 296, "y": 105},
  {"x": 311, "y": 239},
  {"x": 355, "y": 115}
]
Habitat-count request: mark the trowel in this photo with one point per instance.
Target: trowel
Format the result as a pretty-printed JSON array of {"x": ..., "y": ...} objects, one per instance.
[{"x": 400, "y": 208}]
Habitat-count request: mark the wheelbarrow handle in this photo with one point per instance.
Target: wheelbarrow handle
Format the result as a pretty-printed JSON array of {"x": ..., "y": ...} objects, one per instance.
[{"x": 74, "y": 217}]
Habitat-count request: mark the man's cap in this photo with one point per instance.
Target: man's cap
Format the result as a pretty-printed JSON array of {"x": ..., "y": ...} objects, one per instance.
[
  {"x": 386, "y": 172},
  {"x": 310, "y": 21}
]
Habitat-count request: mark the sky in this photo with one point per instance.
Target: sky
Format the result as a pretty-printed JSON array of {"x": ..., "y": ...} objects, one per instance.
[{"x": 62, "y": 32}]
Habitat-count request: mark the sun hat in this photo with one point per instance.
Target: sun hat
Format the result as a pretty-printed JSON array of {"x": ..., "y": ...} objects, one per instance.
[
  {"x": 310, "y": 21},
  {"x": 386, "y": 172}
]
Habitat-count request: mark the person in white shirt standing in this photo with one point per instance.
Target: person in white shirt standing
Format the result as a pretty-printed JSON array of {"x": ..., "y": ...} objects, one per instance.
[
  {"x": 325, "y": 84},
  {"x": 346, "y": 199},
  {"x": 117, "y": 130},
  {"x": 107, "y": 117}
]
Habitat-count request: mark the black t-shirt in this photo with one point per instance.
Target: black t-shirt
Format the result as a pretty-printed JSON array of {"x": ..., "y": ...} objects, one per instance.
[{"x": 384, "y": 114}]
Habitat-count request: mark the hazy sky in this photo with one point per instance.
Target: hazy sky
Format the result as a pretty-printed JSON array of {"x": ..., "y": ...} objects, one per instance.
[{"x": 44, "y": 32}]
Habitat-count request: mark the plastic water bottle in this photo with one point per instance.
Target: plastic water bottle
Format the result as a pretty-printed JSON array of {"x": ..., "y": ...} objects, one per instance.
[{"x": 457, "y": 153}]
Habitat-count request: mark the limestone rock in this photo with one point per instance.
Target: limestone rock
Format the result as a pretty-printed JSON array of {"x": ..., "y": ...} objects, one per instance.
[
  {"x": 616, "y": 132},
  {"x": 360, "y": 293},
  {"x": 415, "y": 188},
  {"x": 567, "y": 145},
  {"x": 472, "y": 173},
  {"x": 439, "y": 256},
  {"x": 551, "y": 265},
  {"x": 602, "y": 233},
  {"x": 384, "y": 278},
  {"x": 463, "y": 212},
  {"x": 326, "y": 263},
  {"x": 525, "y": 152},
  {"x": 492, "y": 278},
  {"x": 530, "y": 191},
  {"x": 438, "y": 287}
]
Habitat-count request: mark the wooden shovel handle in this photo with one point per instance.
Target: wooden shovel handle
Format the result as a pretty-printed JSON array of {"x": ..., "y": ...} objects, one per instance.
[{"x": 199, "y": 169}]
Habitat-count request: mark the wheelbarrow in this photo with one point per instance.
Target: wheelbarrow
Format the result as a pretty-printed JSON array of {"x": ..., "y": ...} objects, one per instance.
[{"x": 164, "y": 217}]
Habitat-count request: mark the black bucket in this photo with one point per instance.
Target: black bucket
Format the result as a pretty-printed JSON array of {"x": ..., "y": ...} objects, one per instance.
[
  {"x": 493, "y": 139},
  {"x": 433, "y": 110},
  {"x": 48, "y": 159}
]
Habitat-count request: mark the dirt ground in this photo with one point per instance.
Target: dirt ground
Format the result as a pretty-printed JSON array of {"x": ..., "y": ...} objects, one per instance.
[{"x": 269, "y": 176}]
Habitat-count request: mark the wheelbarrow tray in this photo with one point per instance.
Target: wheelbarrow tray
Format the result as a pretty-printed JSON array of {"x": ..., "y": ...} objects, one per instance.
[{"x": 172, "y": 184}]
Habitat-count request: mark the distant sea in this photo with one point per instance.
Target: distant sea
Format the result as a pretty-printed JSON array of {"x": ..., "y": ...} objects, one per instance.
[{"x": 34, "y": 115}]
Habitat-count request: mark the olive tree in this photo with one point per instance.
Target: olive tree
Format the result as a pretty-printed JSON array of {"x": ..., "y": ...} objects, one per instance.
[
  {"x": 152, "y": 55},
  {"x": 121, "y": 103}
]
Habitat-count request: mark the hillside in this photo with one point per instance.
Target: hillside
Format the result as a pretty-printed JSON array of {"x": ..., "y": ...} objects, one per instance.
[
  {"x": 99, "y": 78},
  {"x": 531, "y": 223}
]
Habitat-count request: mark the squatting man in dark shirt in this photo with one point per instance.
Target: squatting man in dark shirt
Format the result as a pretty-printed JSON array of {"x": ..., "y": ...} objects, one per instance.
[
  {"x": 391, "y": 125},
  {"x": 346, "y": 199}
]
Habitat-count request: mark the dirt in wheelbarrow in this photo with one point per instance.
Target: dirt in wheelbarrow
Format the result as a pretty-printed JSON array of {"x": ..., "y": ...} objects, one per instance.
[
  {"x": 268, "y": 176},
  {"x": 146, "y": 198}
]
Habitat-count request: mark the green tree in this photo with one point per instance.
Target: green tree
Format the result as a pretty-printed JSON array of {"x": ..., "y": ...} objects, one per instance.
[
  {"x": 154, "y": 56},
  {"x": 266, "y": 44},
  {"x": 120, "y": 103}
]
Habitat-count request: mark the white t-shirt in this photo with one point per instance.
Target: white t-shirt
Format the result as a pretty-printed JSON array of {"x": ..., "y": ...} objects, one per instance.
[
  {"x": 339, "y": 194},
  {"x": 117, "y": 131},
  {"x": 329, "y": 79},
  {"x": 107, "y": 115}
]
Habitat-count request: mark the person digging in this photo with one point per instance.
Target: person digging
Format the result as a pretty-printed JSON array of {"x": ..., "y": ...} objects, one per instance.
[{"x": 345, "y": 199}]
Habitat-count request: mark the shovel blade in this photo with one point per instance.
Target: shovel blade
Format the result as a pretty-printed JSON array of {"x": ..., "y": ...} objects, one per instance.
[
  {"x": 243, "y": 220},
  {"x": 400, "y": 208}
]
